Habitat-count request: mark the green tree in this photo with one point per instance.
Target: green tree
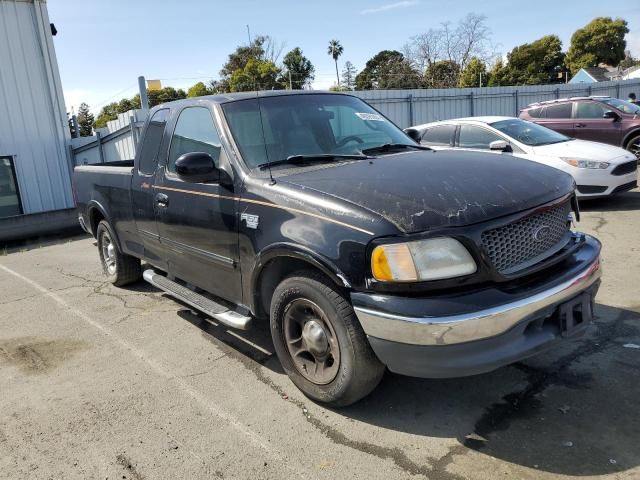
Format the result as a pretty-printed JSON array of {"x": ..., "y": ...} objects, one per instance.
[
  {"x": 335, "y": 50},
  {"x": 198, "y": 90},
  {"x": 534, "y": 63},
  {"x": 349, "y": 73},
  {"x": 628, "y": 61},
  {"x": 261, "y": 49},
  {"x": 442, "y": 74},
  {"x": 85, "y": 120},
  {"x": 497, "y": 73},
  {"x": 299, "y": 70},
  {"x": 256, "y": 75},
  {"x": 474, "y": 74},
  {"x": 107, "y": 113},
  {"x": 167, "y": 94},
  {"x": 600, "y": 41},
  {"x": 388, "y": 69}
]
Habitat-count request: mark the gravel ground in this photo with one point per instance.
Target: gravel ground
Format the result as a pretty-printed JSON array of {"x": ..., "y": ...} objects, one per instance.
[{"x": 101, "y": 382}]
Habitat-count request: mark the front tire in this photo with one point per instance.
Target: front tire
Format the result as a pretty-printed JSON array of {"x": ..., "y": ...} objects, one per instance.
[
  {"x": 120, "y": 269},
  {"x": 320, "y": 342},
  {"x": 633, "y": 146}
]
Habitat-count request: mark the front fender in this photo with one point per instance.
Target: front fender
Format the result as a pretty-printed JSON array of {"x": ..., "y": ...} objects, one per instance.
[{"x": 301, "y": 253}]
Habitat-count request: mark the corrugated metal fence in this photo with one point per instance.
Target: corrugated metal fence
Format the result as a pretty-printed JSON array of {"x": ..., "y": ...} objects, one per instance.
[
  {"x": 117, "y": 141},
  {"x": 404, "y": 107},
  {"x": 413, "y": 107}
]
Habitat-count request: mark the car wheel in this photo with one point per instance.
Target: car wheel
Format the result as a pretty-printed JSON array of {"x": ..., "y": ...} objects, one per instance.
[
  {"x": 634, "y": 146},
  {"x": 320, "y": 342},
  {"x": 119, "y": 268}
]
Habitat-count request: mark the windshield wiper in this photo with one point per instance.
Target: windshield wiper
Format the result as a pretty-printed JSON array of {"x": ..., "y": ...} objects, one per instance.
[
  {"x": 387, "y": 147},
  {"x": 319, "y": 157}
]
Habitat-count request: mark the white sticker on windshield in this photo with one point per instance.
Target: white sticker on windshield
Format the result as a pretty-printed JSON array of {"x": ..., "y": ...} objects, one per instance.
[{"x": 370, "y": 116}]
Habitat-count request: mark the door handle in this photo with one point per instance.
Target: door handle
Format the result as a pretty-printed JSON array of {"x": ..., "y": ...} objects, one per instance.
[
  {"x": 162, "y": 200},
  {"x": 580, "y": 125}
]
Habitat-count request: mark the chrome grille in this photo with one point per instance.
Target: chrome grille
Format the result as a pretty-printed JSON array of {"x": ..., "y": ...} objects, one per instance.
[{"x": 513, "y": 247}]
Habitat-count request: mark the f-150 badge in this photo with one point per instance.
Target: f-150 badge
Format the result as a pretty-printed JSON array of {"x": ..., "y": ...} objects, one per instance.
[{"x": 250, "y": 220}]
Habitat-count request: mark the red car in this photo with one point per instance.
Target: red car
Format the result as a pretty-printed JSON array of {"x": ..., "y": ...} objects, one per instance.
[{"x": 600, "y": 119}]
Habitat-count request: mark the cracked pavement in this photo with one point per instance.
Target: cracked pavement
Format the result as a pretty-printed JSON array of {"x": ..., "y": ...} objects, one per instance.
[{"x": 102, "y": 382}]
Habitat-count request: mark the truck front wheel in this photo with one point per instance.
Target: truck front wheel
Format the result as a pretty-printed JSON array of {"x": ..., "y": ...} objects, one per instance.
[
  {"x": 119, "y": 268},
  {"x": 320, "y": 342}
]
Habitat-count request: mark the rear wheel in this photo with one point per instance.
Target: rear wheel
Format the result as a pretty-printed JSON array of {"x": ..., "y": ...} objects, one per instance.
[
  {"x": 119, "y": 268},
  {"x": 320, "y": 342},
  {"x": 634, "y": 146}
]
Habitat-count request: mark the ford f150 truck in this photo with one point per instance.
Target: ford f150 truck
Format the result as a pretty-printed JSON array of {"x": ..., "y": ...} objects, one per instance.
[{"x": 361, "y": 248}]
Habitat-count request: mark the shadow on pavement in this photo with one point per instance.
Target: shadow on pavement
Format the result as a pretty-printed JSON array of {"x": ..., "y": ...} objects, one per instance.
[
  {"x": 573, "y": 411},
  {"x": 617, "y": 203}
]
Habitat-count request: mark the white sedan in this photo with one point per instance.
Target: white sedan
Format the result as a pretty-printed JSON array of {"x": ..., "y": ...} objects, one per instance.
[{"x": 598, "y": 169}]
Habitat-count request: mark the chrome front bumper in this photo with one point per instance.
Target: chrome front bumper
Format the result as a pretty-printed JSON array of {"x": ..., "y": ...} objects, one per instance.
[{"x": 482, "y": 324}]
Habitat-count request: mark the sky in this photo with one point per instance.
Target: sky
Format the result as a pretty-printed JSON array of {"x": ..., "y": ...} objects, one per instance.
[{"x": 103, "y": 46}]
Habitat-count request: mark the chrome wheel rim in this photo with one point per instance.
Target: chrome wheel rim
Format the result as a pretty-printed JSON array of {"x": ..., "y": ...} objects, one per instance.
[
  {"x": 635, "y": 148},
  {"x": 108, "y": 254},
  {"x": 311, "y": 341}
]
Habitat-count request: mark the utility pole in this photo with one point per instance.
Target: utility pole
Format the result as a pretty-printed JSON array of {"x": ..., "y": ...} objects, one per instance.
[
  {"x": 480, "y": 80},
  {"x": 290, "y": 82},
  {"x": 249, "y": 34},
  {"x": 144, "y": 99}
]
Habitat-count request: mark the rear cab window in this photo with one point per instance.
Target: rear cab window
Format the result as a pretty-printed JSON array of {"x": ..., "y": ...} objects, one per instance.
[
  {"x": 439, "y": 136},
  {"x": 151, "y": 142}
]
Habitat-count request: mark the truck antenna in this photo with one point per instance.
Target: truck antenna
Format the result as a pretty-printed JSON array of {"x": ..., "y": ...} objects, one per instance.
[{"x": 266, "y": 153}]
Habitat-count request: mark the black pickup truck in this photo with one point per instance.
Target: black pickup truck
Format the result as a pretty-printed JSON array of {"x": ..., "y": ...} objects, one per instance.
[{"x": 361, "y": 248}]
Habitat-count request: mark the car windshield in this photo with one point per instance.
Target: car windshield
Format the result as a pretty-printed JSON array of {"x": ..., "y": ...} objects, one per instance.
[
  {"x": 626, "y": 107},
  {"x": 272, "y": 129},
  {"x": 529, "y": 133}
]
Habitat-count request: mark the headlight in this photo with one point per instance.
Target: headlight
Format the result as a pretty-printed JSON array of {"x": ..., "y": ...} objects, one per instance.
[
  {"x": 431, "y": 259},
  {"x": 583, "y": 163}
]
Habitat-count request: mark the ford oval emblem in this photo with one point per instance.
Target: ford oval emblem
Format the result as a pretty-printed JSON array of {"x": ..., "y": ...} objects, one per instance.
[{"x": 542, "y": 233}]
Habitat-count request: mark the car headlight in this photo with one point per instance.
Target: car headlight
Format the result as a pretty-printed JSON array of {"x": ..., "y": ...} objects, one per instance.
[
  {"x": 584, "y": 163},
  {"x": 431, "y": 259}
]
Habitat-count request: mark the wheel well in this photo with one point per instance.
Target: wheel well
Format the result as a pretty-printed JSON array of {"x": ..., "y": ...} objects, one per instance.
[
  {"x": 273, "y": 273},
  {"x": 95, "y": 217},
  {"x": 630, "y": 136}
]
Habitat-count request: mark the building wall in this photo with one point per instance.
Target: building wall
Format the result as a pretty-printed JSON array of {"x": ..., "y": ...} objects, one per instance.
[
  {"x": 33, "y": 124},
  {"x": 582, "y": 77}
]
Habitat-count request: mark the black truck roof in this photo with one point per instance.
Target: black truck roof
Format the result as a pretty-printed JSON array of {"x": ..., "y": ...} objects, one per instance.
[{"x": 237, "y": 96}]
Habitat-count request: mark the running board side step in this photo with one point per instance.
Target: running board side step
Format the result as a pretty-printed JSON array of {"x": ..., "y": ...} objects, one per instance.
[{"x": 199, "y": 302}]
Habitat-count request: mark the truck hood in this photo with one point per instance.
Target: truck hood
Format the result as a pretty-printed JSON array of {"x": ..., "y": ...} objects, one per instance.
[
  {"x": 423, "y": 190},
  {"x": 585, "y": 149}
]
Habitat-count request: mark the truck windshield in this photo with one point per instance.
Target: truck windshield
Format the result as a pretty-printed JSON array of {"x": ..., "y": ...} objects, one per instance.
[
  {"x": 529, "y": 133},
  {"x": 270, "y": 129}
]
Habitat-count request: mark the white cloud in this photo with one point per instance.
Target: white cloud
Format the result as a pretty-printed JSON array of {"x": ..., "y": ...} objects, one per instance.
[{"x": 390, "y": 6}]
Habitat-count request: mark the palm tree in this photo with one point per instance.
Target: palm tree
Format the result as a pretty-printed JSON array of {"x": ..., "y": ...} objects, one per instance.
[{"x": 335, "y": 50}]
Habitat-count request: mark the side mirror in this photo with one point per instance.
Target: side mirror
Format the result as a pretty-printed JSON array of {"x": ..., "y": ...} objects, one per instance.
[
  {"x": 199, "y": 167},
  {"x": 413, "y": 134},
  {"x": 611, "y": 114},
  {"x": 500, "y": 145}
]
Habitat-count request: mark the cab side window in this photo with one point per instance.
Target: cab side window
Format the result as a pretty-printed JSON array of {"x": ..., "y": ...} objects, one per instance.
[
  {"x": 151, "y": 142},
  {"x": 440, "y": 136},
  {"x": 476, "y": 137},
  {"x": 589, "y": 110},
  {"x": 194, "y": 132}
]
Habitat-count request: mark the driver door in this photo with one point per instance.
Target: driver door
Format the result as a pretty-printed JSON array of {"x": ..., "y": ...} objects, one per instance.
[{"x": 198, "y": 221}]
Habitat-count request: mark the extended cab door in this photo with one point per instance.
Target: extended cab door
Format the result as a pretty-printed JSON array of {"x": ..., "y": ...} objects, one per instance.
[
  {"x": 198, "y": 221},
  {"x": 142, "y": 192}
]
